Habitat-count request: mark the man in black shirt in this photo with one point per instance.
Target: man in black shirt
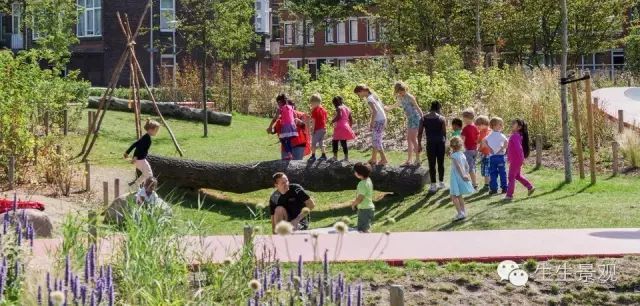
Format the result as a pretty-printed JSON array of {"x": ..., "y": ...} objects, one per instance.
[{"x": 287, "y": 201}]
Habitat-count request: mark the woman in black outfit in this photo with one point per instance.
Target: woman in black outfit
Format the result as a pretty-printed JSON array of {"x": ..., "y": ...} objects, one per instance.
[{"x": 434, "y": 125}]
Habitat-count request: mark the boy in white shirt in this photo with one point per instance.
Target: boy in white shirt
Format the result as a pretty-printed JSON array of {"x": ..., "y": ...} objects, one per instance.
[
  {"x": 497, "y": 143},
  {"x": 147, "y": 194}
]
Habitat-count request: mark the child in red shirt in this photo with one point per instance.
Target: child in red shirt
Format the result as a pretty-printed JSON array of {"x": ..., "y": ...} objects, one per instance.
[
  {"x": 470, "y": 135},
  {"x": 319, "y": 117}
]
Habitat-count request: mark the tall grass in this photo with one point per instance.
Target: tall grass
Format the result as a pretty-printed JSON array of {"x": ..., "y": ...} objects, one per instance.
[{"x": 630, "y": 147}]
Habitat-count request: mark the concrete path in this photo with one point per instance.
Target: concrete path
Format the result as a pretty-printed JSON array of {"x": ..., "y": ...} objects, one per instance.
[{"x": 396, "y": 248}]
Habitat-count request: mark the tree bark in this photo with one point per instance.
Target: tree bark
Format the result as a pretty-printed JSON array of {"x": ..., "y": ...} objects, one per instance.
[
  {"x": 319, "y": 176},
  {"x": 167, "y": 109}
]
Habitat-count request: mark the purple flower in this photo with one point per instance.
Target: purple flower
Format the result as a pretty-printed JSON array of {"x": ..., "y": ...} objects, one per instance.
[
  {"x": 15, "y": 203},
  {"x": 2, "y": 279},
  {"x": 359, "y": 295},
  {"x": 76, "y": 288},
  {"x": 109, "y": 276},
  {"x": 83, "y": 294},
  {"x": 92, "y": 261},
  {"x": 39, "y": 295},
  {"x": 5, "y": 224},
  {"x": 300, "y": 266},
  {"x": 321, "y": 303},
  {"x": 19, "y": 233},
  {"x": 349, "y": 295},
  {"x": 325, "y": 263},
  {"x": 112, "y": 296},
  {"x": 67, "y": 270},
  {"x": 32, "y": 235},
  {"x": 17, "y": 268},
  {"x": 257, "y": 299},
  {"x": 93, "y": 299},
  {"x": 48, "y": 280},
  {"x": 86, "y": 268}
]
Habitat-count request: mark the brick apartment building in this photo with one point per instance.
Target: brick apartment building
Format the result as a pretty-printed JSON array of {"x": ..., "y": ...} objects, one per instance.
[{"x": 281, "y": 43}]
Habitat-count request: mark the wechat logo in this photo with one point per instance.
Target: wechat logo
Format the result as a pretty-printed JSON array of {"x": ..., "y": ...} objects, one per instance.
[{"x": 509, "y": 270}]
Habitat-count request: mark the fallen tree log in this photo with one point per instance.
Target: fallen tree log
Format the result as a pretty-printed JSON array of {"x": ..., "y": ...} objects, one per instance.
[
  {"x": 316, "y": 176},
  {"x": 168, "y": 109}
]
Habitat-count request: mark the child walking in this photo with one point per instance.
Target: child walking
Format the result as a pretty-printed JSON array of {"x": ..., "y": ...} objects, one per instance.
[
  {"x": 142, "y": 147},
  {"x": 319, "y": 117},
  {"x": 342, "y": 131},
  {"x": 288, "y": 129},
  {"x": 364, "y": 199},
  {"x": 482, "y": 122},
  {"x": 517, "y": 150},
  {"x": 460, "y": 183},
  {"x": 414, "y": 114},
  {"x": 497, "y": 143},
  {"x": 470, "y": 134},
  {"x": 377, "y": 124}
]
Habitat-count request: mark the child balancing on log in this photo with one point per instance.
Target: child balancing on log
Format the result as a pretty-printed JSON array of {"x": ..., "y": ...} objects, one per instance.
[{"x": 141, "y": 147}]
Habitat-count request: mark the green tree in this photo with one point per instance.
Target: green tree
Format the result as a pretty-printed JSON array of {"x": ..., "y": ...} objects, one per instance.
[
  {"x": 220, "y": 29},
  {"x": 632, "y": 45}
]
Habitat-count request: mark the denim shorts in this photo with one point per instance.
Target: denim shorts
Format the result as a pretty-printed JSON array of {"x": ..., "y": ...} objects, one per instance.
[
  {"x": 471, "y": 156},
  {"x": 365, "y": 218},
  {"x": 484, "y": 167},
  {"x": 318, "y": 138}
]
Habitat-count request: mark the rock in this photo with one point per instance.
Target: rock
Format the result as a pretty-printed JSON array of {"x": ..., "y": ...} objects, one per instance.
[
  {"x": 167, "y": 109},
  {"x": 115, "y": 213},
  {"x": 320, "y": 176},
  {"x": 41, "y": 223}
]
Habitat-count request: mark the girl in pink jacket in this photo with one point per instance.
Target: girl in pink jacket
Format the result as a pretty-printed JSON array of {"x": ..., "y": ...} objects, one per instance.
[{"x": 517, "y": 150}]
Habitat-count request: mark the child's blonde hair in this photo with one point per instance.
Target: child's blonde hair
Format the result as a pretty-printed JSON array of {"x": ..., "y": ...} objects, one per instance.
[
  {"x": 400, "y": 86},
  {"x": 455, "y": 144},
  {"x": 468, "y": 113},
  {"x": 361, "y": 87},
  {"x": 495, "y": 121},
  {"x": 315, "y": 98},
  {"x": 151, "y": 125},
  {"x": 482, "y": 120}
]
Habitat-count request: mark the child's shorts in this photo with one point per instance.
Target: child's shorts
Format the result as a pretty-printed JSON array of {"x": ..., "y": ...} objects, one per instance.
[
  {"x": 471, "y": 156},
  {"x": 365, "y": 218},
  {"x": 318, "y": 138},
  {"x": 484, "y": 167}
]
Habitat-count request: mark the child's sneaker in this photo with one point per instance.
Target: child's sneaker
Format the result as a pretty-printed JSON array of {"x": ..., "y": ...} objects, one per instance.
[
  {"x": 323, "y": 157},
  {"x": 459, "y": 216},
  {"x": 492, "y": 192},
  {"x": 531, "y": 191},
  {"x": 441, "y": 185},
  {"x": 503, "y": 191},
  {"x": 288, "y": 157},
  {"x": 312, "y": 159},
  {"x": 507, "y": 199},
  {"x": 433, "y": 188},
  {"x": 485, "y": 187}
]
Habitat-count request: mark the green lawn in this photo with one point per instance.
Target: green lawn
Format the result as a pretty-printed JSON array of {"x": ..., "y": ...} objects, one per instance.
[{"x": 612, "y": 202}]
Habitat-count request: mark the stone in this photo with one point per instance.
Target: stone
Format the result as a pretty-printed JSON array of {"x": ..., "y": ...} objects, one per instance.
[{"x": 41, "y": 223}]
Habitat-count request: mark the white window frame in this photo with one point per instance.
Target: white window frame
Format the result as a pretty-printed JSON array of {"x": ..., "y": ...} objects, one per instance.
[
  {"x": 168, "y": 15},
  {"x": 341, "y": 28},
  {"x": 289, "y": 33},
  {"x": 299, "y": 37},
  {"x": 353, "y": 25},
  {"x": 86, "y": 14},
  {"x": 329, "y": 36},
  {"x": 311, "y": 32},
  {"x": 372, "y": 33}
]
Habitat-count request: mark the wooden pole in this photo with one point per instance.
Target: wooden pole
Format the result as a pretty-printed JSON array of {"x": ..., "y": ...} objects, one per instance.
[
  {"x": 248, "y": 236},
  {"x": 538, "y": 151},
  {"x": 620, "y": 121},
  {"x": 87, "y": 170},
  {"x": 576, "y": 121},
  {"x": 116, "y": 189},
  {"x": 90, "y": 118},
  {"x": 615, "y": 148},
  {"x": 566, "y": 146},
  {"x": 65, "y": 125},
  {"x": 12, "y": 172},
  {"x": 592, "y": 145},
  {"x": 396, "y": 295},
  {"x": 105, "y": 192}
]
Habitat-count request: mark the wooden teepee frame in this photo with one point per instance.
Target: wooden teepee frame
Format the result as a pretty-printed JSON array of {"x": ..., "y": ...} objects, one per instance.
[{"x": 137, "y": 77}]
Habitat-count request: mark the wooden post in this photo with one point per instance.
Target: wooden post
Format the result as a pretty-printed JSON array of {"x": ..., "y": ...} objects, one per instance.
[
  {"x": 93, "y": 231},
  {"x": 576, "y": 121},
  {"x": 248, "y": 236},
  {"x": 12, "y": 172},
  {"x": 105, "y": 192},
  {"x": 87, "y": 170},
  {"x": 94, "y": 120},
  {"x": 538, "y": 151},
  {"x": 116, "y": 189},
  {"x": 90, "y": 122},
  {"x": 592, "y": 145},
  {"x": 615, "y": 147},
  {"x": 620, "y": 121},
  {"x": 396, "y": 295},
  {"x": 65, "y": 125}
]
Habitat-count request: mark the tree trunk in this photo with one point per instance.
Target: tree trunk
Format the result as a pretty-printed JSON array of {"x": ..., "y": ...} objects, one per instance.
[
  {"x": 320, "y": 176},
  {"x": 205, "y": 121},
  {"x": 566, "y": 149},
  {"x": 230, "y": 74}
]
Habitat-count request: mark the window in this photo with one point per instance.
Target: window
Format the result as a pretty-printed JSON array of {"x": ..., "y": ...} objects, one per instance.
[
  {"x": 341, "y": 31},
  {"x": 167, "y": 15},
  {"x": 329, "y": 35},
  {"x": 288, "y": 33},
  {"x": 371, "y": 30},
  {"x": 353, "y": 30},
  {"x": 167, "y": 60},
  {"x": 89, "y": 18},
  {"x": 16, "y": 18},
  {"x": 299, "y": 33},
  {"x": 311, "y": 32}
]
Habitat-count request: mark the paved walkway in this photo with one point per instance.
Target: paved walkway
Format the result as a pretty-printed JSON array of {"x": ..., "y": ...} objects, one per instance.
[
  {"x": 395, "y": 248},
  {"x": 620, "y": 98}
]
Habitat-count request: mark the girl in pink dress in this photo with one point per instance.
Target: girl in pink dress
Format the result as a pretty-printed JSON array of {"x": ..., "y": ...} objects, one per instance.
[
  {"x": 517, "y": 151},
  {"x": 342, "y": 131},
  {"x": 288, "y": 130}
]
